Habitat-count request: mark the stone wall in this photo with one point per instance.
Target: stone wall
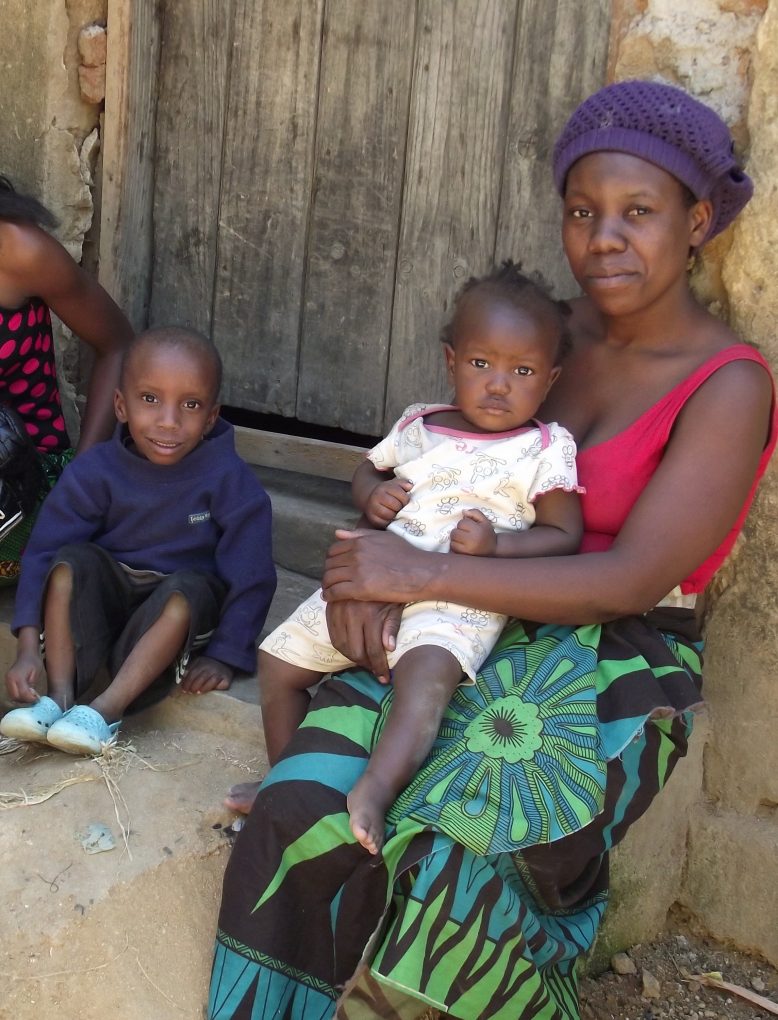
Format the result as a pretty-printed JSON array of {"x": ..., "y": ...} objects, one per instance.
[
  {"x": 49, "y": 136},
  {"x": 725, "y": 822}
]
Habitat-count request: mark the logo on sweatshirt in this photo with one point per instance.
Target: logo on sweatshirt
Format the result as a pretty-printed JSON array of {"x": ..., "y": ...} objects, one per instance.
[{"x": 204, "y": 515}]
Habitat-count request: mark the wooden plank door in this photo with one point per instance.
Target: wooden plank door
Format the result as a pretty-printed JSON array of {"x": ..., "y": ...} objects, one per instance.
[
  {"x": 367, "y": 50},
  {"x": 325, "y": 174},
  {"x": 266, "y": 195},
  {"x": 195, "y": 56},
  {"x": 459, "y": 108}
]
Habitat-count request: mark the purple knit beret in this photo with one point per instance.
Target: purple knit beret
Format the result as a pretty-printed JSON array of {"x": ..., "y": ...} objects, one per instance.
[{"x": 665, "y": 126}]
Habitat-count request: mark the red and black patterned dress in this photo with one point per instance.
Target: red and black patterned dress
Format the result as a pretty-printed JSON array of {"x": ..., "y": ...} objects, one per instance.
[
  {"x": 28, "y": 384},
  {"x": 28, "y": 374}
]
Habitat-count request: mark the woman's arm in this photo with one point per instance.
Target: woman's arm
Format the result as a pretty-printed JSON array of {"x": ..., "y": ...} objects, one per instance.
[
  {"x": 681, "y": 518},
  {"x": 34, "y": 263}
]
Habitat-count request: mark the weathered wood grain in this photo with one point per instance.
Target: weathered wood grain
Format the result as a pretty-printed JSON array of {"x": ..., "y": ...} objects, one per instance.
[
  {"x": 328, "y": 174},
  {"x": 561, "y": 55},
  {"x": 360, "y": 152},
  {"x": 128, "y": 155},
  {"x": 191, "y": 100},
  {"x": 266, "y": 194},
  {"x": 459, "y": 110},
  {"x": 298, "y": 453}
]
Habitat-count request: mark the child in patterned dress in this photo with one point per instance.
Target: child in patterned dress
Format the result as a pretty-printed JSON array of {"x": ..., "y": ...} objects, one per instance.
[{"x": 481, "y": 477}]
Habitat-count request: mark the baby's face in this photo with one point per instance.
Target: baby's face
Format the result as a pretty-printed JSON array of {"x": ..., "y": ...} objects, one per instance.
[
  {"x": 167, "y": 401},
  {"x": 501, "y": 363}
]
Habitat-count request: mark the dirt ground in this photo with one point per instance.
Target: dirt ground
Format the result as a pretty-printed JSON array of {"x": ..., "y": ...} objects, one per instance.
[{"x": 673, "y": 961}]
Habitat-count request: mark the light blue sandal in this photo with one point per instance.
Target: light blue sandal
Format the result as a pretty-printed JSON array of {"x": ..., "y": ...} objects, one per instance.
[
  {"x": 81, "y": 730},
  {"x": 31, "y": 722}
]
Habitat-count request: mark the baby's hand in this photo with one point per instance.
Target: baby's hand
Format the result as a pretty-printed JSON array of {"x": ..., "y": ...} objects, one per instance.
[
  {"x": 204, "y": 674},
  {"x": 386, "y": 500},
  {"x": 474, "y": 535},
  {"x": 22, "y": 677}
]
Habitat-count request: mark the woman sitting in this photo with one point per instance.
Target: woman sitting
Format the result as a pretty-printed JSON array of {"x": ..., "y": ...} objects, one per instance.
[{"x": 494, "y": 875}]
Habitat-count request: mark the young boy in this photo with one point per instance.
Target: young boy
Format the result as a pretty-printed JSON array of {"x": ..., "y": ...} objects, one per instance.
[{"x": 152, "y": 555}]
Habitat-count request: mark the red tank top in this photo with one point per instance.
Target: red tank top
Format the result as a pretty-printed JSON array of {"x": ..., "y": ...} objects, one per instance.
[{"x": 616, "y": 471}]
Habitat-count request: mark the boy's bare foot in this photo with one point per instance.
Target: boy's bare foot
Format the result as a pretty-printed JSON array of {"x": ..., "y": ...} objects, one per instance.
[
  {"x": 241, "y": 797},
  {"x": 368, "y": 803}
]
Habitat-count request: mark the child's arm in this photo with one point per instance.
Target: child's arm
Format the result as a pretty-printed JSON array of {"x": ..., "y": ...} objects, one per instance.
[
  {"x": 27, "y": 669},
  {"x": 378, "y": 494},
  {"x": 556, "y": 532},
  {"x": 244, "y": 562}
]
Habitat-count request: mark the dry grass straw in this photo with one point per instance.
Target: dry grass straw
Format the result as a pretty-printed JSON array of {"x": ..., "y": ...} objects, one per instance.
[
  {"x": 715, "y": 980},
  {"x": 115, "y": 760},
  {"x": 246, "y": 766},
  {"x": 10, "y": 746},
  {"x": 20, "y": 798}
]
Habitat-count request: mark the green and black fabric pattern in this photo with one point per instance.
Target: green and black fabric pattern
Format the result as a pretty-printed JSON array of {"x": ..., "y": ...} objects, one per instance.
[
  {"x": 494, "y": 875},
  {"x": 526, "y": 735}
]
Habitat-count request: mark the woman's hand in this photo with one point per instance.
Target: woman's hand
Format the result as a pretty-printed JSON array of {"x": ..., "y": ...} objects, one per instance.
[
  {"x": 365, "y": 632},
  {"x": 376, "y": 566},
  {"x": 368, "y": 577}
]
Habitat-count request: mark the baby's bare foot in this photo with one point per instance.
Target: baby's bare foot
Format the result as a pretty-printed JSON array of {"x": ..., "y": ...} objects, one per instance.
[
  {"x": 367, "y": 805},
  {"x": 241, "y": 797}
]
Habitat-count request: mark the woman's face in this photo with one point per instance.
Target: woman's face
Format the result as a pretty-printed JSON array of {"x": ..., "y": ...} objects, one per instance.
[{"x": 627, "y": 230}]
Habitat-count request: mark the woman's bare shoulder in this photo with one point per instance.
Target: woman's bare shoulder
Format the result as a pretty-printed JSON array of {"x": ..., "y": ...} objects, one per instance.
[
  {"x": 24, "y": 257},
  {"x": 742, "y": 381},
  {"x": 32, "y": 262},
  {"x": 26, "y": 248},
  {"x": 16, "y": 239}
]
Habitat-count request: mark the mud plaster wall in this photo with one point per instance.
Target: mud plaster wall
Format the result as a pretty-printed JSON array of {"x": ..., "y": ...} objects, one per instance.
[
  {"x": 726, "y": 53},
  {"x": 48, "y": 136}
]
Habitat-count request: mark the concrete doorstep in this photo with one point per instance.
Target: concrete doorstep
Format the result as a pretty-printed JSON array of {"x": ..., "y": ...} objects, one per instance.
[{"x": 127, "y": 932}]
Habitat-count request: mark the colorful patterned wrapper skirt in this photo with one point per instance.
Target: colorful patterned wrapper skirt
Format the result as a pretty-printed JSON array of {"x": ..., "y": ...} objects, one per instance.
[{"x": 494, "y": 875}]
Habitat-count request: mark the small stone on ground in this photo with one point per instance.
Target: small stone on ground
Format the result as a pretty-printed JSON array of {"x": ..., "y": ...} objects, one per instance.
[
  {"x": 622, "y": 964},
  {"x": 623, "y": 997}
]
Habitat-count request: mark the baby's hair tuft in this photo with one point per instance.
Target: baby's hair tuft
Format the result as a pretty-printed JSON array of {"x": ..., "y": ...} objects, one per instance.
[{"x": 527, "y": 293}]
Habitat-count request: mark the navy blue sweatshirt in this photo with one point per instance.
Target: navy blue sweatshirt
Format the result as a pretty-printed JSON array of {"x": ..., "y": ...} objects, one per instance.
[{"x": 207, "y": 512}]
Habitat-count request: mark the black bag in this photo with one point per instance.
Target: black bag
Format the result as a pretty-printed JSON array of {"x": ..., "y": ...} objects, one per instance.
[{"x": 21, "y": 472}]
